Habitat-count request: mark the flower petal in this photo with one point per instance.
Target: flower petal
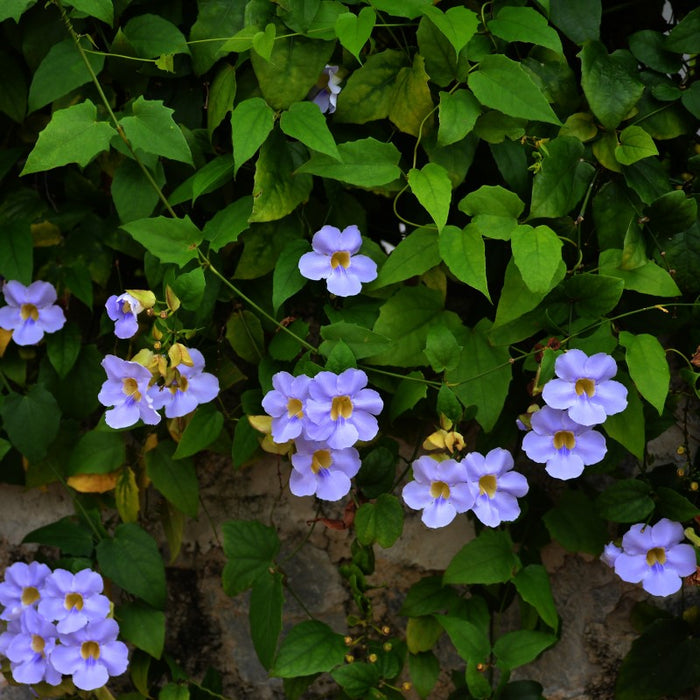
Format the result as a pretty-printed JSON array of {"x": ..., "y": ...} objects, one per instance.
[
  {"x": 571, "y": 365},
  {"x": 332, "y": 485},
  {"x": 631, "y": 567},
  {"x": 438, "y": 514},
  {"x": 315, "y": 266},
  {"x": 327, "y": 240},
  {"x": 417, "y": 495},
  {"x": 364, "y": 268},
  {"x": 661, "y": 581}
]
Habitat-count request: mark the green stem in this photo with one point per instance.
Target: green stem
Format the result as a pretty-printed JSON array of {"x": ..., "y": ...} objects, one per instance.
[
  {"x": 119, "y": 55},
  {"x": 428, "y": 382},
  {"x": 108, "y": 107},
  {"x": 206, "y": 262}
]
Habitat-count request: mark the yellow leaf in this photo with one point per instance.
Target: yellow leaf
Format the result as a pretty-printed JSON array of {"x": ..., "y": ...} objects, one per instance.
[
  {"x": 45, "y": 234},
  {"x": 94, "y": 483},
  {"x": 5, "y": 337},
  {"x": 262, "y": 424}
]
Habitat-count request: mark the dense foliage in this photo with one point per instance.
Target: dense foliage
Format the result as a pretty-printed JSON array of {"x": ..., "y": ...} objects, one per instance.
[{"x": 524, "y": 176}]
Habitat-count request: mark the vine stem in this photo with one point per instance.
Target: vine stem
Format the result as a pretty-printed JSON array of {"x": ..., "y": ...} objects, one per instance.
[{"x": 108, "y": 107}]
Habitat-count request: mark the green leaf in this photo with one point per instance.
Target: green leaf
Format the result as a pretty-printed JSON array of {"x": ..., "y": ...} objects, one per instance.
[
  {"x": 173, "y": 691},
  {"x": 380, "y": 522},
  {"x": 16, "y": 251},
  {"x": 574, "y": 523},
  {"x": 215, "y": 19},
  {"x": 532, "y": 584},
  {"x": 201, "y": 431},
  {"x": 362, "y": 341},
  {"x": 458, "y": 24},
  {"x": 251, "y": 122},
  {"x": 422, "y": 633},
  {"x": 562, "y": 179},
  {"x": 245, "y": 334},
  {"x": 414, "y": 255},
  {"x": 672, "y": 212},
  {"x": 262, "y": 245},
  {"x": 489, "y": 558},
  {"x": 13, "y": 98},
  {"x": 175, "y": 479},
  {"x": 357, "y": 679},
  {"x": 286, "y": 347},
  {"x": 251, "y": 548},
  {"x": 691, "y": 99},
  {"x": 458, "y": 113},
  {"x": 72, "y": 136},
  {"x": 189, "y": 288},
  {"x": 152, "y": 129},
  {"x": 132, "y": 560},
  {"x": 425, "y": 670},
  {"x": 521, "y": 647},
  {"x": 628, "y": 427},
  {"x": 685, "y": 36},
  {"x": 634, "y": 252},
  {"x": 310, "y": 647},
  {"x": 286, "y": 278},
  {"x": 408, "y": 393},
  {"x": 494, "y": 211},
  {"x": 364, "y": 163},
  {"x": 152, "y": 35},
  {"x": 441, "y": 63},
  {"x": 464, "y": 254},
  {"x": 634, "y": 145},
  {"x": 670, "y": 504},
  {"x": 448, "y": 404},
  {"x": 402, "y": 8},
  {"x": 246, "y": 441},
  {"x": 61, "y": 71},
  {"x": 593, "y": 295},
  {"x": 406, "y": 318},
  {"x": 101, "y": 9},
  {"x": 143, "y": 627},
  {"x": 279, "y": 187},
  {"x": 170, "y": 240},
  {"x": 305, "y": 122},
  {"x": 647, "y": 279},
  {"x": 353, "y": 30},
  {"x": 221, "y": 96},
  {"x": 265, "y": 615},
  {"x": 31, "y": 421},
  {"x": 578, "y": 19},
  {"x": 228, "y": 223},
  {"x": 470, "y": 642},
  {"x": 70, "y": 537},
  {"x": 293, "y": 68},
  {"x": 208, "y": 178},
  {"x": 411, "y": 104},
  {"x": 537, "y": 253},
  {"x": 442, "y": 349},
  {"x": 526, "y": 25},
  {"x": 493, "y": 85},
  {"x": 97, "y": 452},
  {"x": 14, "y": 9},
  {"x": 132, "y": 193},
  {"x": 264, "y": 42},
  {"x": 432, "y": 188},
  {"x": 368, "y": 93},
  {"x": 625, "y": 501},
  {"x": 648, "y": 367},
  {"x": 609, "y": 88},
  {"x": 483, "y": 374},
  {"x": 428, "y": 596},
  {"x": 649, "y": 47},
  {"x": 580, "y": 125},
  {"x": 340, "y": 358}
]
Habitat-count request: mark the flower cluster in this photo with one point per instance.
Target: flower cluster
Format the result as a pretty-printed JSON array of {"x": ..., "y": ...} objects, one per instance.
[
  {"x": 334, "y": 259},
  {"x": 325, "y": 416},
  {"x": 139, "y": 388},
  {"x": 582, "y": 396},
  {"x": 484, "y": 484},
  {"x": 653, "y": 556},
  {"x": 58, "y": 624},
  {"x": 30, "y": 311}
]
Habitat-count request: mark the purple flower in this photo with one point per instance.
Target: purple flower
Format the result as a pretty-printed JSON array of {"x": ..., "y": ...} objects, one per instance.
[
  {"x": 322, "y": 471},
  {"x": 495, "y": 488},
  {"x": 14, "y": 627},
  {"x": 439, "y": 489},
  {"x": 340, "y": 410},
  {"x": 91, "y": 655},
  {"x": 30, "y": 312},
  {"x": 654, "y": 556},
  {"x": 333, "y": 259},
  {"x": 325, "y": 93},
  {"x": 73, "y": 599},
  {"x": 126, "y": 389},
  {"x": 584, "y": 388},
  {"x": 285, "y": 403},
  {"x": 610, "y": 554},
  {"x": 563, "y": 445},
  {"x": 31, "y": 650},
  {"x": 124, "y": 310},
  {"x": 21, "y": 588},
  {"x": 185, "y": 387}
]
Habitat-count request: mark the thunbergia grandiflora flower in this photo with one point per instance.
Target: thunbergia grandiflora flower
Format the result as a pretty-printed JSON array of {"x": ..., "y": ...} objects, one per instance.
[
  {"x": 325, "y": 92},
  {"x": 439, "y": 489},
  {"x": 322, "y": 471},
  {"x": 564, "y": 446},
  {"x": 494, "y": 486},
  {"x": 124, "y": 310},
  {"x": 285, "y": 403},
  {"x": 185, "y": 385},
  {"x": 653, "y": 556},
  {"x": 83, "y": 643},
  {"x": 340, "y": 411},
  {"x": 30, "y": 311},
  {"x": 334, "y": 259},
  {"x": 126, "y": 389},
  {"x": 584, "y": 387}
]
